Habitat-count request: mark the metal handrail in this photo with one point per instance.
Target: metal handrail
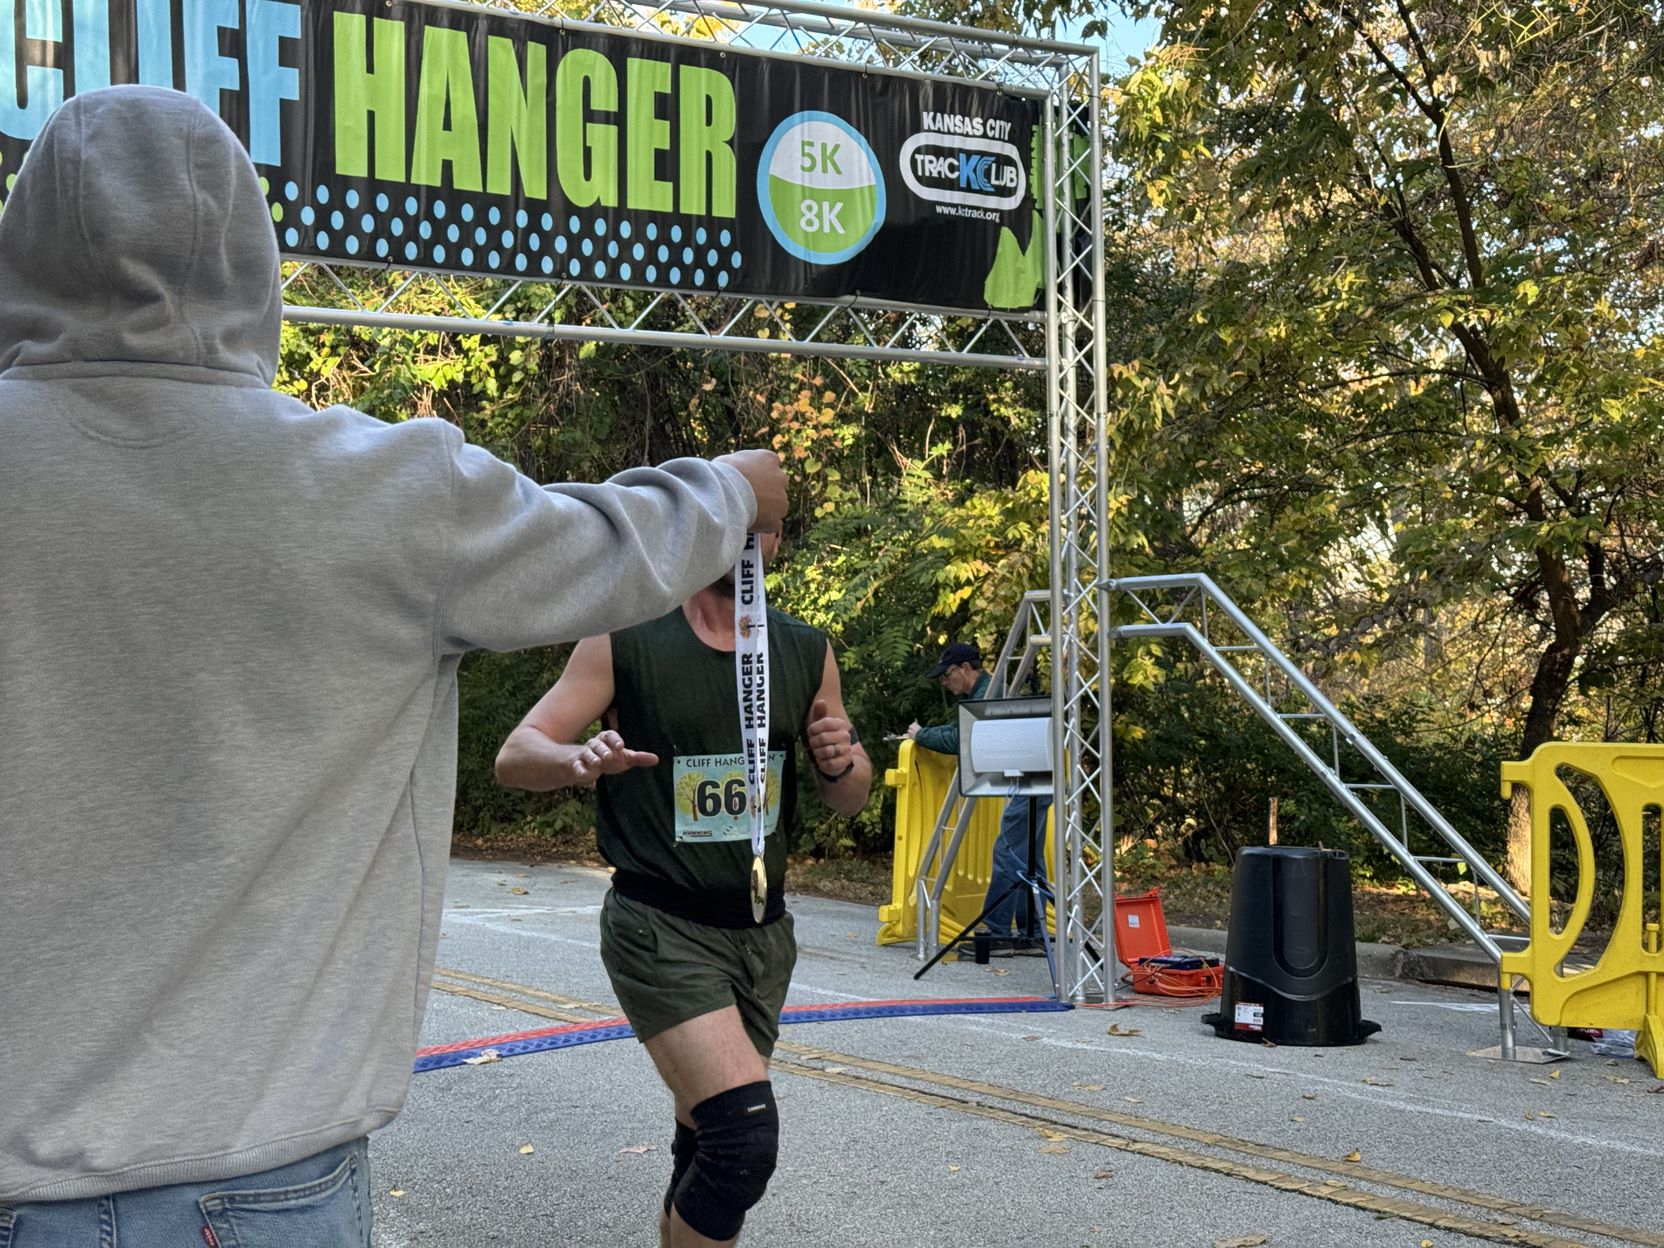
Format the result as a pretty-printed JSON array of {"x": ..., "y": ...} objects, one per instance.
[{"x": 1201, "y": 591}]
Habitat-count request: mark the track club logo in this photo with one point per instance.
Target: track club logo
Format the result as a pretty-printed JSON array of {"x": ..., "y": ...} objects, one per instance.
[
  {"x": 958, "y": 160},
  {"x": 820, "y": 188}
]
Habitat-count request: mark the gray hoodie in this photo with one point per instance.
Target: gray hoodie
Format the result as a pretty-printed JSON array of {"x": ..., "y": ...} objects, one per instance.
[{"x": 229, "y": 636}]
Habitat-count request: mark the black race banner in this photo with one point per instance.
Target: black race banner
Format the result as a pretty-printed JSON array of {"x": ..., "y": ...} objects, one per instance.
[{"x": 477, "y": 141}]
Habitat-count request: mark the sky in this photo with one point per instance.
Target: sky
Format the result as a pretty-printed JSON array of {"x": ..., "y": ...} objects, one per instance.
[{"x": 1125, "y": 38}]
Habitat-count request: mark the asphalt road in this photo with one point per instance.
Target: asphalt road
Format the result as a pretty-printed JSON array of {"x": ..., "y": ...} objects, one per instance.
[{"x": 996, "y": 1130}]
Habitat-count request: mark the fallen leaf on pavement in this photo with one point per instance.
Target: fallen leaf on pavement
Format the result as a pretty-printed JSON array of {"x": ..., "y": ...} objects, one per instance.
[
  {"x": 1308, "y": 1096},
  {"x": 636, "y": 1148},
  {"x": 1354, "y": 1155},
  {"x": 1296, "y": 1118},
  {"x": 518, "y": 891},
  {"x": 1090, "y": 1087},
  {"x": 1656, "y": 1088},
  {"x": 395, "y": 1191},
  {"x": 1373, "y": 1082},
  {"x": 1554, "y": 1074},
  {"x": 1245, "y": 1241},
  {"x": 953, "y": 1169},
  {"x": 1115, "y": 1029},
  {"x": 1031, "y": 1037},
  {"x": 484, "y": 1058},
  {"x": 1054, "y": 1148},
  {"x": 1133, "y": 1100},
  {"x": 1104, "y": 1174},
  {"x": 526, "y": 1150}
]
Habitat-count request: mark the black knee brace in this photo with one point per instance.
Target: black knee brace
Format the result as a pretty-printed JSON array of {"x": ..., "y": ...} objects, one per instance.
[
  {"x": 681, "y": 1157},
  {"x": 735, "y": 1147}
]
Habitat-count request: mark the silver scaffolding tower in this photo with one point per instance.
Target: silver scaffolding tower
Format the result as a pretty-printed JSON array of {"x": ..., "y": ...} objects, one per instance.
[{"x": 1064, "y": 339}]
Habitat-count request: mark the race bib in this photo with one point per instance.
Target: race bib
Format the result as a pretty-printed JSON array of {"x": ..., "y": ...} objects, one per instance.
[{"x": 710, "y": 796}]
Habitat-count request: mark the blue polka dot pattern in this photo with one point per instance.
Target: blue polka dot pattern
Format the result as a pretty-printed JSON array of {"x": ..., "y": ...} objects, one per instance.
[{"x": 507, "y": 240}]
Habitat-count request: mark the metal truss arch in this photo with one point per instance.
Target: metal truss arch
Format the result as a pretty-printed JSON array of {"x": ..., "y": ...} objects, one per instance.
[{"x": 1064, "y": 338}]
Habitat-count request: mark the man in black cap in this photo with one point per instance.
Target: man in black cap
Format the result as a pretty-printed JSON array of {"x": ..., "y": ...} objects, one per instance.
[{"x": 959, "y": 671}]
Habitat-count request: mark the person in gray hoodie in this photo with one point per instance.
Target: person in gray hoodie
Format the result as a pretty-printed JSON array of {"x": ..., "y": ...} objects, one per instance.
[{"x": 229, "y": 635}]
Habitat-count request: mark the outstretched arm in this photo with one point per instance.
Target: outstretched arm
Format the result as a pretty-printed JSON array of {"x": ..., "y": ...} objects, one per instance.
[
  {"x": 542, "y": 753},
  {"x": 842, "y": 767}
]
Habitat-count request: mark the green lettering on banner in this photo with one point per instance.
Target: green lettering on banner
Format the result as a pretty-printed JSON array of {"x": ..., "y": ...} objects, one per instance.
[
  {"x": 708, "y": 172},
  {"x": 516, "y": 119},
  {"x": 586, "y": 152},
  {"x": 446, "y": 85},
  {"x": 360, "y": 92},
  {"x": 649, "y": 135}
]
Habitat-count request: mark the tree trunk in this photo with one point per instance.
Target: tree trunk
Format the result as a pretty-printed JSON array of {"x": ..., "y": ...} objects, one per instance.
[{"x": 1548, "y": 693}]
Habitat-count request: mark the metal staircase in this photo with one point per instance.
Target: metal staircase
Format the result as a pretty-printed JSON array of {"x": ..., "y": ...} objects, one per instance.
[{"x": 1192, "y": 608}]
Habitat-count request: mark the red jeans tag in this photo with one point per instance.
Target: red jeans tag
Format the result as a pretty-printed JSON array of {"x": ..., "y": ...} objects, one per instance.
[{"x": 209, "y": 1238}]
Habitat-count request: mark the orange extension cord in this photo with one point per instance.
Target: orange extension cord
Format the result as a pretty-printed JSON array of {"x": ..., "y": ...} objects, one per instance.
[{"x": 1149, "y": 977}]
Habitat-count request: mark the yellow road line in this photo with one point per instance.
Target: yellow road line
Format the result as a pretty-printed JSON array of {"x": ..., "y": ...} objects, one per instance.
[
  {"x": 1328, "y": 1165},
  {"x": 1332, "y": 1190},
  {"x": 795, "y": 1059}
]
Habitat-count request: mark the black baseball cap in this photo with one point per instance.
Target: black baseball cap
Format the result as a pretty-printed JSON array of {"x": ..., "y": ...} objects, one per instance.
[{"x": 956, "y": 653}]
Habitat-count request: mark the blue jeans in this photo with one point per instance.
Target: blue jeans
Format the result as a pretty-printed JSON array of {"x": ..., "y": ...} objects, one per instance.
[
  {"x": 1010, "y": 859},
  {"x": 322, "y": 1201}
]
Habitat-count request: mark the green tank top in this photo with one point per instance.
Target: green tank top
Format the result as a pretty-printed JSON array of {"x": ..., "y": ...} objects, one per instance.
[{"x": 677, "y": 833}]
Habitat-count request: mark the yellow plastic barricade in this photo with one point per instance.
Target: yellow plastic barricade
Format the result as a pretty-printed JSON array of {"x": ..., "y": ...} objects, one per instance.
[
  {"x": 1625, "y": 988},
  {"x": 922, "y": 779}
]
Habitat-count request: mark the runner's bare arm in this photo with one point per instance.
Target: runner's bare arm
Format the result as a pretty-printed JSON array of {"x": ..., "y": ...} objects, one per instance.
[
  {"x": 842, "y": 768},
  {"x": 542, "y": 753}
]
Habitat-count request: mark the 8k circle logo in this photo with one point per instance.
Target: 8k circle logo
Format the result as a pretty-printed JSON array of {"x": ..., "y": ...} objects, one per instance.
[{"x": 820, "y": 188}]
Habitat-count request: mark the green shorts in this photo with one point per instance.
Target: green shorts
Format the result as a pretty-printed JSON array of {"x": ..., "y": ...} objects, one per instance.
[{"x": 667, "y": 970}]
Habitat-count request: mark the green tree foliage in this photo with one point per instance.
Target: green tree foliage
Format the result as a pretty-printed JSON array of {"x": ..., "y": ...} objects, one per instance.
[{"x": 1412, "y": 384}]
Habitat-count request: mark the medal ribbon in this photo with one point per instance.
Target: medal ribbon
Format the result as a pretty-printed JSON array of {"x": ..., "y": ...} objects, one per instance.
[{"x": 751, "y": 676}]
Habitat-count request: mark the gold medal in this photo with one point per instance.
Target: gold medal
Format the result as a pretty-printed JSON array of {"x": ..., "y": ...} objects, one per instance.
[{"x": 759, "y": 888}]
